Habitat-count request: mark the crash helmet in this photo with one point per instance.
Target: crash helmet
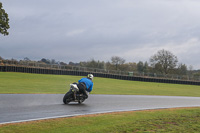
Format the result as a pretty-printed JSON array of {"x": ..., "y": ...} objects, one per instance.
[{"x": 90, "y": 76}]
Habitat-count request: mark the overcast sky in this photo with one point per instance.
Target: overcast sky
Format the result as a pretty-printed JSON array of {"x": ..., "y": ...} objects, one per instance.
[{"x": 81, "y": 30}]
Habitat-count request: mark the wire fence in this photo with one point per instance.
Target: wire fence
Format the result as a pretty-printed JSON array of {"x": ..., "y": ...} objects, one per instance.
[{"x": 27, "y": 64}]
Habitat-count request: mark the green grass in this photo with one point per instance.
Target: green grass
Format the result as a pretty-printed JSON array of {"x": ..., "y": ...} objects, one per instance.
[
  {"x": 58, "y": 84},
  {"x": 168, "y": 120},
  {"x": 34, "y": 83}
]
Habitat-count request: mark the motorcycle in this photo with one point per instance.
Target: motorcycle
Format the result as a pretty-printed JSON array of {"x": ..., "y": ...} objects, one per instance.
[{"x": 73, "y": 95}]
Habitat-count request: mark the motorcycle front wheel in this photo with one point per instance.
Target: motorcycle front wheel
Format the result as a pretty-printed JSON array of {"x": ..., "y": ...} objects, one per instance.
[{"x": 67, "y": 97}]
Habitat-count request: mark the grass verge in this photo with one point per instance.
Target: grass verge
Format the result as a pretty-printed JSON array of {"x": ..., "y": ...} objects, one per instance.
[
  {"x": 11, "y": 82},
  {"x": 165, "y": 120}
]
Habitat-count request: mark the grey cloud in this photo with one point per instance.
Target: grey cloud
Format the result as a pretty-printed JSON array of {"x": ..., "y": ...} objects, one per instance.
[{"x": 57, "y": 29}]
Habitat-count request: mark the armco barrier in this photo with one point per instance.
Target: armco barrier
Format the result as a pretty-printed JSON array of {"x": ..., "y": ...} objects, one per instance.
[{"x": 96, "y": 74}]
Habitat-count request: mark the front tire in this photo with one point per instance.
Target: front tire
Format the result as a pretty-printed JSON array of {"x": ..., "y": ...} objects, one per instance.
[{"x": 67, "y": 97}]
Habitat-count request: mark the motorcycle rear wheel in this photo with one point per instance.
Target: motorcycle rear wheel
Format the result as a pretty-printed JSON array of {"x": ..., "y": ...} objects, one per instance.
[{"x": 81, "y": 101}]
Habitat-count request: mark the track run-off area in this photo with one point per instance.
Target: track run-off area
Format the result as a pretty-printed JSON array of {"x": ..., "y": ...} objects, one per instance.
[{"x": 28, "y": 107}]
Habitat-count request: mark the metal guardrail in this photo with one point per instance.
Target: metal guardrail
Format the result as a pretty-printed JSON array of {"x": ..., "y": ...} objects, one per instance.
[{"x": 38, "y": 70}]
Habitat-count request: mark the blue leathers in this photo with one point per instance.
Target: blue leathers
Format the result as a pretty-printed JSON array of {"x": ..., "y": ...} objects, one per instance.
[{"x": 88, "y": 83}]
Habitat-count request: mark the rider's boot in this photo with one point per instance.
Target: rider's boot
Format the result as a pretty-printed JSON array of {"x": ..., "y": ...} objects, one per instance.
[{"x": 85, "y": 94}]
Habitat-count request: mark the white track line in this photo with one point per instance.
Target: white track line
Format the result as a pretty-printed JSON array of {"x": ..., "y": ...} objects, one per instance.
[{"x": 63, "y": 116}]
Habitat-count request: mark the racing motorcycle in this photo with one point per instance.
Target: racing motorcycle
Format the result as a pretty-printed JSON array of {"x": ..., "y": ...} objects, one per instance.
[{"x": 73, "y": 95}]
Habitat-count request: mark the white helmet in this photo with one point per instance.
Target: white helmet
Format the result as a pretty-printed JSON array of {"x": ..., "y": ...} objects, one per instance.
[{"x": 90, "y": 76}]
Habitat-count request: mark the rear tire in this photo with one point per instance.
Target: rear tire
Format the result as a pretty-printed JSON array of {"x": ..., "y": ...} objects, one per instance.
[
  {"x": 81, "y": 101},
  {"x": 67, "y": 97}
]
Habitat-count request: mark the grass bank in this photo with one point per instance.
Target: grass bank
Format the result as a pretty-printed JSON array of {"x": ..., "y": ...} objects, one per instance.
[
  {"x": 11, "y": 82},
  {"x": 168, "y": 120}
]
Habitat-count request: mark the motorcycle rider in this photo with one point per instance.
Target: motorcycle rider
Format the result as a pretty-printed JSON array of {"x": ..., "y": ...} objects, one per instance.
[{"x": 86, "y": 84}]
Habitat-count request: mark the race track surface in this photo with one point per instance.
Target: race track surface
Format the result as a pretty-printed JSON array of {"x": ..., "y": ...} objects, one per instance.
[{"x": 26, "y": 107}]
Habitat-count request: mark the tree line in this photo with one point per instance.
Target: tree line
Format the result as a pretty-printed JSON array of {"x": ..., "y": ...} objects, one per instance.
[{"x": 163, "y": 62}]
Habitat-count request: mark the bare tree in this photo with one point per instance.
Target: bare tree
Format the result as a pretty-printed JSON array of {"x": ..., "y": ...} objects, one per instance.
[
  {"x": 116, "y": 60},
  {"x": 163, "y": 61}
]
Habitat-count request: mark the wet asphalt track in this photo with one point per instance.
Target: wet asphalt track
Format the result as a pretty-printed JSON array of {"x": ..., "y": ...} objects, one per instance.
[{"x": 25, "y": 107}]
